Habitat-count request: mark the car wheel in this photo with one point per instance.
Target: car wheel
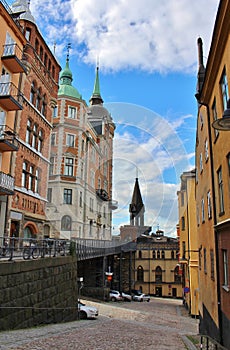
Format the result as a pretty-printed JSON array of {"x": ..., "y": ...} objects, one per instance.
[
  {"x": 141, "y": 300},
  {"x": 113, "y": 299},
  {"x": 148, "y": 300},
  {"x": 83, "y": 315}
]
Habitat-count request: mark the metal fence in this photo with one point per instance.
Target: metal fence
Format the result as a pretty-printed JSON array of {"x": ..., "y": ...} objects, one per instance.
[{"x": 207, "y": 343}]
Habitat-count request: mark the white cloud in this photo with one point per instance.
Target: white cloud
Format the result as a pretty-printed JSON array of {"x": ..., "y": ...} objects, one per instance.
[{"x": 150, "y": 35}]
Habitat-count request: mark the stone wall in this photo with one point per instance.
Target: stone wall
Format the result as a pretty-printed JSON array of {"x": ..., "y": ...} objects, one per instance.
[{"x": 38, "y": 292}]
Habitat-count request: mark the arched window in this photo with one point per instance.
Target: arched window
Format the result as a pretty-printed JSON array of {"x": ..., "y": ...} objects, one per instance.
[
  {"x": 140, "y": 274},
  {"x": 158, "y": 273},
  {"x": 36, "y": 45},
  {"x": 40, "y": 140},
  {"x": 46, "y": 231},
  {"x": 172, "y": 254},
  {"x": 32, "y": 92},
  {"x": 28, "y": 131},
  {"x": 66, "y": 223},
  {"x": 162, "y": 254},
  {"x": 140, "y": 254},
  {"x": 158, "y": 254},
  {"x": 154, "y": 254},
  {"x": 177, "y": 276},
  {"x": 35, "y": 135},
  {"x": 43, "y": 106},
  {"x": 38, "y": 100}
]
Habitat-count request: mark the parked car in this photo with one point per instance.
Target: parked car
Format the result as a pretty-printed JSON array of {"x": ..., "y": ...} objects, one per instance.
[
  {"x": 115, "y": 295},
  {"x": 141, "y": 297},
  {"x": 86, "y": 311},
  {"x": 126, "y": 296}
]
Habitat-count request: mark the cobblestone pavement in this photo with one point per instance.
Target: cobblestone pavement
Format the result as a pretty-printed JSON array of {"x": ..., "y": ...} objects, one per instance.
[{"x": 159, "y": 324}]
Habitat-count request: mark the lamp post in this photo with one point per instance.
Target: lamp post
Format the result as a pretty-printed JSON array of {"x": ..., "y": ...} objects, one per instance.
[{"x": 224, "y": 122}]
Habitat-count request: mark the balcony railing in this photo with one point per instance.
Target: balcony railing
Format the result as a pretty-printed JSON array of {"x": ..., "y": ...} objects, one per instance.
[
  {"x": 10, "y": 97},
  {"x": 102, "y": 194},
  {"x": 12, "y": 58},
  {"x": 6, "y": 184},
  {"x": 8, "y": 139}
]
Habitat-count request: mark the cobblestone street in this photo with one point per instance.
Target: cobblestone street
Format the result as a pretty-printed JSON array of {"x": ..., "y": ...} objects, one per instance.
[{"x": 159, "y": 324}]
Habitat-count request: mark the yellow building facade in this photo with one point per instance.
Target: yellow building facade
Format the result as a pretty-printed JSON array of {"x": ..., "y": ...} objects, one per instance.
[{"x": 189, "y": 251}]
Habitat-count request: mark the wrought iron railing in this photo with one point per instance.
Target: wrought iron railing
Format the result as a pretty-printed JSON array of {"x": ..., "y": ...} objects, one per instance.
[{"x": 207, "y": 343}]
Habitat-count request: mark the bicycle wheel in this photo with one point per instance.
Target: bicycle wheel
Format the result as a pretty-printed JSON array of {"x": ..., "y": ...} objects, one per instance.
[
  {"x": 26, "y": 253},
  {"x": 35, "y": 253}
]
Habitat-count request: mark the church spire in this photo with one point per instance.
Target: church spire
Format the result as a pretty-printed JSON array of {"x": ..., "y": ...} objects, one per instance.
[
  {"x": 137, "y": 207},
  {"x": 96, "y": 98},
  {"x": 22, "y": 8}
]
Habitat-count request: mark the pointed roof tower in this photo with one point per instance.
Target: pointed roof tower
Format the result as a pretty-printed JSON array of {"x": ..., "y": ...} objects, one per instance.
[
  {"x": 137, "y": 207},
  {"x": 22, "y": 8},
  {"x": 66, "y": 79},
  {"x": 96, "y": 98}
]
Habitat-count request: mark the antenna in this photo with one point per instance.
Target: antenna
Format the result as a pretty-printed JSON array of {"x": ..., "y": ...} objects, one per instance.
[{"x": 55, "y": 47}]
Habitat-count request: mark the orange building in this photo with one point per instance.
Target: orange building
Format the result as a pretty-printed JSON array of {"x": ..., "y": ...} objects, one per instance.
[
  {"x": 33, "y": 124},
  {"x": 12, "y": 42}
]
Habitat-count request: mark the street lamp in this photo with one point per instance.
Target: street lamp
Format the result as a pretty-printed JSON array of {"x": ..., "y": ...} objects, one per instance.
[{"x": 224, "y": 122}]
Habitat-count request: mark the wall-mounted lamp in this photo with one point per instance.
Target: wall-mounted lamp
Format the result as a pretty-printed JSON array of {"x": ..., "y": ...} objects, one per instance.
[{"x": 224, "y": 122}]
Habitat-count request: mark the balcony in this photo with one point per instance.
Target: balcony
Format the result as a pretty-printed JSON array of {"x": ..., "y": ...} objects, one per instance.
[
  {"x": 10, "y": 97},
  {"x": 6, "y": 184},
  {"x": 12, "y": 58},
  {"x": 8, "y": 139},
  {"x": 113, "y": 205},
  {"x": 102, "y": 194}
]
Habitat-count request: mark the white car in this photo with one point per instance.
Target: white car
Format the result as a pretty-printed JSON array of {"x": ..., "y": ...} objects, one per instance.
[
  {"x": 114, "y": 295},
  {"x": 141, "y": 297},
  {"x": 86, "y": 311},
  {"x": 126, "y": 297}
]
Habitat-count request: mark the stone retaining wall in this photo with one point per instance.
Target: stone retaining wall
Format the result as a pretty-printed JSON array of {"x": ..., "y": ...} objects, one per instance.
[{"x": 37, "y": 292}]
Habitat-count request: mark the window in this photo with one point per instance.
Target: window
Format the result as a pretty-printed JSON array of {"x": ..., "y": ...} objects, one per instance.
[
  {"x": 36, "y": 181},
  {"x": 172, "y": 254},
  {"x": 30, "y": 183},
  {"x": 214, "y": 116},
  {"x": 206, "y": 149},
  {"x": 197, "y": 215},
  {"x": 66, "y": 223},
  {"x": 220, "y": 191},
  {"x": 212, "y": 264},
  {"x": 82, "y": 145},
  {"x": 209, "y": 202},
  {"x": 91, "y": 205},
  {"x": 202, "y": 210},
  {"x": 51, "y": 168},
  {"x": 35, "y": 134},
  {"x": 162, "y": 254},
  {"x": 92, "y": 178},
  {"x": 183, "y": 223},
  {"x": 49, "y": 195},
  {"x": 158, "y": 254},
  {"x": 90, "y": 227},
  {"x": 24, "y": 174},
  {"x": 38, "y": 100},
  {"x": 40, "y": 140},
  {"x": 28, "y": 131},
  {"x": 201, "y": 120},
  {"x": 67, "y": 198},
  {"x": 224, "y": 89},
  {"x": 27, "y": 34},
  {"x": 225, "y": 268},
  {"x": 32, "y": 92},
  {"x": 154, "y": 254},
  {"x": 71, "y": 112},
  {"x": 68, "y": 167},
  {"x": 53, "y": 139},
  {"x": 140, "y": 254},
  {"x": 177, "y": 276},
  {"x": 70, "y": 140},
  {"x": 205, "y": 261},
  {"x": 228, "y": 160},
  {"x": 158, "y": 274},
  {"x": 43, "y": 105},
  {"x": 55, "y": 111},
  {"x": 201, "y": 163},
  {"x": 140, "y": 274},
  {"x": 80, "y": 199}
]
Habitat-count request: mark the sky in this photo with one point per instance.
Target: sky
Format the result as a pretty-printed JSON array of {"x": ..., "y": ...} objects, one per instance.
[{"x": 147, "y": 54}]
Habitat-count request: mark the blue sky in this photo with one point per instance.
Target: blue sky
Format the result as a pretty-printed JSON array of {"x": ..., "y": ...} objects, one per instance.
[{"x": 147, "y": 54}]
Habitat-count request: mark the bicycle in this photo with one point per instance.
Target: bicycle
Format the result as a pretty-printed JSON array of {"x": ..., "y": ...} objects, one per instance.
[
  {"x": 6, "y": 252},
  {"x": 31, "y": 251}
]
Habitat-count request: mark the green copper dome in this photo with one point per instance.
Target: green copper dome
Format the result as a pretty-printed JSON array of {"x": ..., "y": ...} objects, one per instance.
[{"x": 66, "y": 79}]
